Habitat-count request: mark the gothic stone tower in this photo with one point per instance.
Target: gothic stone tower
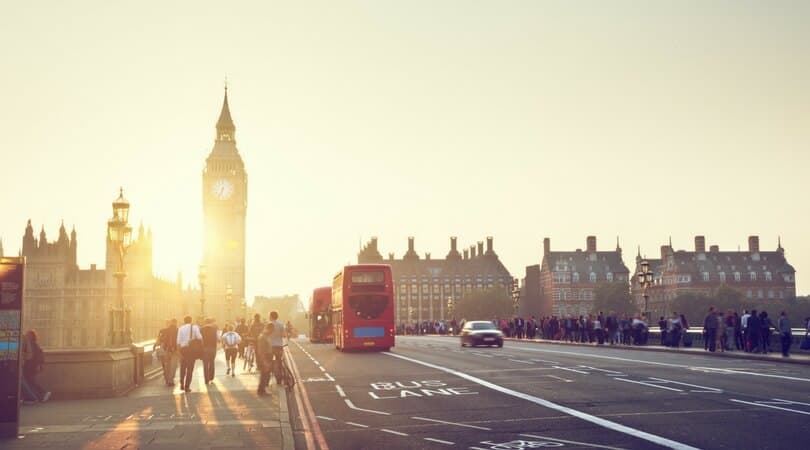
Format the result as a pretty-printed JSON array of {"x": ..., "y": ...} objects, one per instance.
[{"x": 224, "y": 209}]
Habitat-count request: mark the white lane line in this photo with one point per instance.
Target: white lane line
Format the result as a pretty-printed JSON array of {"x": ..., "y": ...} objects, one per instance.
[
  {"x": 599, "y": 370},
  {"x": 359, "y": 425},
  {"x": 659, "y": 440},
  {"x": 656, "y": 363},
  {"x": 534, "y": 436},
  {"x": 325, "y": 418},
  {"x": 648, "y": 384},
  {"x": 386, "y": 430},
  {"x": 440, "y": 441},
  {"x": 545, "y": 361},
  {"x": 571, "y": 370},
  {"x": 791, "y": 402},
  {"x": 452, "y": 423},
  {"x": 703, "y": 388},
  {"x": 329, "y": 377},
  {"x": 560, "y": 378},
  {"x": 521, "y": 361},
  {"x": 340, "y": 390},
  {"x": 771, "y": 406},
  {"x": 322, "y": 369},
  {"x": 351, "y": 405}
]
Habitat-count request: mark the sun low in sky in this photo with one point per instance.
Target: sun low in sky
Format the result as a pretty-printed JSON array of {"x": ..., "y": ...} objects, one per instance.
[{"x": 513, "y": 119}]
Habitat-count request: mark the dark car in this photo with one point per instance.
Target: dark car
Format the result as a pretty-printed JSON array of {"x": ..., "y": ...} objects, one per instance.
[{"x": 481, "y": 332}]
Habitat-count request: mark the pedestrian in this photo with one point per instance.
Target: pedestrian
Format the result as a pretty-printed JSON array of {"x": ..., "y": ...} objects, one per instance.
[
  {"x": 710, "y": 330},
  {"x": 597, "y": 329},
  {"x": 746, "y": 338},
  {"x": 209, "y": 337},
  {"x": 765, "y": 326},
  {"x": 231, "y": 343},
  {"x": 242, "y": 329},
  {"x": 167, "y": 343},
  {"x": 753, "y": 331},
  {"x": 662, "y": 325},
  {"x": 33, "y": 361},
  {"x": 674, "y": 333},
  {"x": 785, "y": 333},
  {"x": 277, "y": 340},
  {"x": 189, "y": 342},
  {"x": 264, "y": 355}
]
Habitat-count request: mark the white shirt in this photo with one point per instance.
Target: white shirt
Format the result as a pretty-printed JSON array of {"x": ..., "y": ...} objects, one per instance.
[
  {"x": 184, "y": 334},
  {"x": 744, "y": 320},
  {"x": 231, "y": 339}
]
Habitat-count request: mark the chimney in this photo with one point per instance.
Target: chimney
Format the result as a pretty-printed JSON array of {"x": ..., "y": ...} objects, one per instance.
[
  {"x": 714, "y": 248},
  {"x": 664, "y": 251},
  {"x": 591, "y": 241},
  {"x": 753, "y": 244},
  {"x": 427, "y": 256},
  {"x": 410, "y": 244},
  {"x": 472, "y": 251},
  {"x": 374, "y": 243},
  {"x": 546, "y": 246},
  {"x": 466, "y": 254},
  {"x": 390, "y": 256},
  {"x": 700, "y": 244},
  {"x": 489, "y": 245},
  {"x": 453, "y": 245},
  {"x": 92, "y": 267},
  {"x": 480, "y": 248}
]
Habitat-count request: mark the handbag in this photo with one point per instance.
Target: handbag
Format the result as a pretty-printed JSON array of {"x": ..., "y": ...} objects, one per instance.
[{"x": 195, "y": 347}]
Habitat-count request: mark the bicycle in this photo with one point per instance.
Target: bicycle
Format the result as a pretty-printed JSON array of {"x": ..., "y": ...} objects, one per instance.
[
  {"x": 250, "y": 358},
  {"x": 287, "y": 377}
]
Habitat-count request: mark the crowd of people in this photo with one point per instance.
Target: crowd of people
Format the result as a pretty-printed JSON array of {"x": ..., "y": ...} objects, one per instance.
[
  {"x": 183, "y": 345},
  {"x": 751, "y": 331}
]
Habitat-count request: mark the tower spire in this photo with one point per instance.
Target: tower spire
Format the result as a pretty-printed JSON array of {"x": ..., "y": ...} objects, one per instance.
[{"x": 226, "y": 131}]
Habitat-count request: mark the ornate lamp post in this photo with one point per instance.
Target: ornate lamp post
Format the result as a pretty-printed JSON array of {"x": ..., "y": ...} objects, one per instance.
[
  {"x": 202, "y": 276},
  {"x": 119, "y": 234},
  {"x": 516, "y": 294},
  {"x": 228, "y": 299},
  {"x": 645, "y": 280},
  {"x": 450, "y": 307}
]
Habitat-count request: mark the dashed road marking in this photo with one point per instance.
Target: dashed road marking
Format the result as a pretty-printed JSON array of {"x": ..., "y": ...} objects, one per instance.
[
  {"x": 770, "y": 405},
  {"x": 325, "y": 418},
  {"x": 534, "y": 436},
  {"x": 351, "y": 405},
  {"x": 453, "y": 423},
  {"x": 521, "y": 361},
  {"x": 566, "y": 380},
  {"x": 649, "y": 384},
  {"x": 359, "y": 425},
  {"x": 571, "y": 370},
  {"x": 398, "y": 433},
  {"x": 340, "y": 391},
  {"x": 440, "y": 441}
]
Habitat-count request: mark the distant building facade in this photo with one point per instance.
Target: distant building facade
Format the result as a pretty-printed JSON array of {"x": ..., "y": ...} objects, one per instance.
[
  {"x": 564, "y": 283},
  {"x": 287, "y": 306},
  {"x": 70, "y": 307},
  {"x": 757, "y": 274},
  {"x": 424, "y": 285}
]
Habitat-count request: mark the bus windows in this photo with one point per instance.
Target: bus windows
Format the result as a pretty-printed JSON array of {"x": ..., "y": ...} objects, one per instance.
[
  {"x": 368, "y": 276},
  {"x": 368, "y": 306}
]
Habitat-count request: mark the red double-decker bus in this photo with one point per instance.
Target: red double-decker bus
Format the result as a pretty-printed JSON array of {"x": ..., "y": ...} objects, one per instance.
[
  {"x": 320, "y": 315},
  {"x": 363, "y": 307}
]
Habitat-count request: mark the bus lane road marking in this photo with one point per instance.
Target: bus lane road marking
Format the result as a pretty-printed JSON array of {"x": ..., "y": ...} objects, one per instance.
[
  {"x": 385, "y": 390},
  {"x": 773, "y": 405},
  {"x": 617, "y": 427},
  {"x": 452, "y": 423}
]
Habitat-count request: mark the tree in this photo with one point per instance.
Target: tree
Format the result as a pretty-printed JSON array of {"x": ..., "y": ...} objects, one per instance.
[
  {"x": 613, "y": 297},
  {"x": 484, "y": 305}
]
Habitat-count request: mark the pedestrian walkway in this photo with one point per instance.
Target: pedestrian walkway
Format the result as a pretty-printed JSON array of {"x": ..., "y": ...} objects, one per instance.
[
  {"x": 224, "y": 414},
  {"x": 799, "y": 357}
]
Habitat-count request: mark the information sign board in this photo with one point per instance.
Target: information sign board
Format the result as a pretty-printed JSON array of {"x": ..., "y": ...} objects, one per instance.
[{"x": 11, "y": 305}]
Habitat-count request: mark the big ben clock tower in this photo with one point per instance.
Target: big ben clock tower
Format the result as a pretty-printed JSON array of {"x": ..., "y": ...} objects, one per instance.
[{"x": 224, "y": 208}]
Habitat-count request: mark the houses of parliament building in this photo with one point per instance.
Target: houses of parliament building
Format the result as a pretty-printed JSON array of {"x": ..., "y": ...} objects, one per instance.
[{"x": 71, "y": 307}]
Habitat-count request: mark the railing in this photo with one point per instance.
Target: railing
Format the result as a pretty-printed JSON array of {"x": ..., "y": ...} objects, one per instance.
[
  {"x": 797, "y": 334},
  {"x": 144, "y": 361}
]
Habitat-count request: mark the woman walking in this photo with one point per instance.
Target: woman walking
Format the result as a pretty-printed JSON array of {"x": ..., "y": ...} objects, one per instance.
[{"x": 33, "y": 359}]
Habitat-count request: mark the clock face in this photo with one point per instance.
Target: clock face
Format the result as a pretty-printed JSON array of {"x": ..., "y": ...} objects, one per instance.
[{"x": 223, "y": 189}]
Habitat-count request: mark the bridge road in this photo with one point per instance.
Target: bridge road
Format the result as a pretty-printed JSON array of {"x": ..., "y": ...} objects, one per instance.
[{"x": 431, "y": 393}]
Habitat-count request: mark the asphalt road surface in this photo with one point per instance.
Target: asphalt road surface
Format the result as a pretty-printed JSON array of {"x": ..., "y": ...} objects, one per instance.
[{"x": 429, "y": 392}]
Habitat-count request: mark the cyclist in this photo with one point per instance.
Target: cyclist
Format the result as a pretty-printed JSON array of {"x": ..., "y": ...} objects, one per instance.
[
  {"x": 277, "y": 339},
  {"x": 254, "y": 331}
]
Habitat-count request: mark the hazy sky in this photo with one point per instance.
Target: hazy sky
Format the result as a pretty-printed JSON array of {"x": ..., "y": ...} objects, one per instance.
[{"x": 518, "y": 120}]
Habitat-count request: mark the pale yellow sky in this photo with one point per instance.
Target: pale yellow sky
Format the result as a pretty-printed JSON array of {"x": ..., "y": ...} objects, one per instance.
[{"x": 518, "y": 120}]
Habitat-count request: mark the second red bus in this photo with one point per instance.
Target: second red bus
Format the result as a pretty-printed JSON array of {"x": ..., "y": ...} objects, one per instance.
[{"x": 320, "y": 315}]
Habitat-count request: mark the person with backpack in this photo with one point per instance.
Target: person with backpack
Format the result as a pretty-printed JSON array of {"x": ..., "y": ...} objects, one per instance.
[
  {"x": 167, "y": 348},
  {"x": 231, "y": 342},
  {"x": 189, "y": 342},
  {"x": 33, "y": 360}
]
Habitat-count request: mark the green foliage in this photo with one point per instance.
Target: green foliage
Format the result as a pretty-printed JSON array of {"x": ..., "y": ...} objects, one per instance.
[
  {"x": 484, "y": 305},
  {"x": 613, "y": 297}
]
